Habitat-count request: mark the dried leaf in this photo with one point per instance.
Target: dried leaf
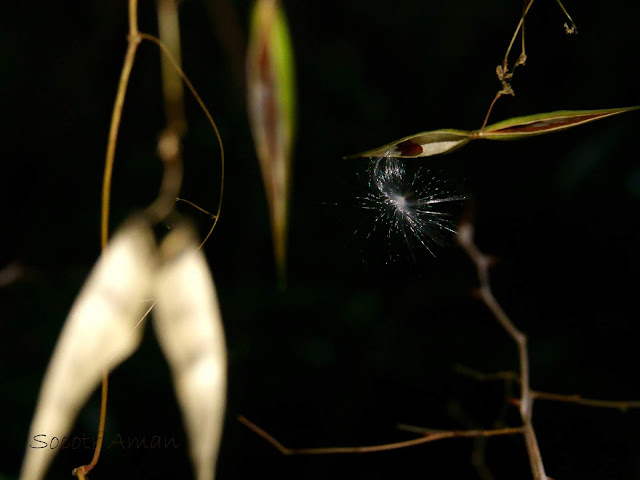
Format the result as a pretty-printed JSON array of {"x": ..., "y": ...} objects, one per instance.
[
  {"x": 99, "y": 333},
  {"x": 271, "y": 104},
  {"x": 189, "y": 328},
  {"x": 541, "y": 123},
  {"x": 423, "y": 144}
]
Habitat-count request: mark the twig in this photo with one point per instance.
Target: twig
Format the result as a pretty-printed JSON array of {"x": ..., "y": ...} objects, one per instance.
[
  {"x": 623, "y": 405},
  {"x": 522, "y": 59},
  {"x": 569, "y": 29},
  {"x": 505, "y": 76},
  {"x": 482, "y": 262},
  {"x": 428, "y": 437}
]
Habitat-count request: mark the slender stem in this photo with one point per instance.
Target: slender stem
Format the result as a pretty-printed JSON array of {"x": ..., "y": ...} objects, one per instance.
[
  {"x": 573, "y": 28},
  {"x": 589, "y": 402},
  {"x": 535, "y": 458},
  {"x": 197, "y": 207},
  {"x": 133, "y": 17},
  {"x": 133, "y": 42},
  {"x": 428, "y": 437},
  {"x": 486, "y": 117},
  {"x": 504, "y": 75},
  {"x": 482, "y": 263},
  {"x": 522, "y": 36},
  {"x": 194, "y": 92},
  {"x": 80, "y": 472},
  {"x": 622, "y": 405},
  {"x": 116, "y": 117},
  {"x": 515, "y": 35},
  {"x": 172, "y": 90}
]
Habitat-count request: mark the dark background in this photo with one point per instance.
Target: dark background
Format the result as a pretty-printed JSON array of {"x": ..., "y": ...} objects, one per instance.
[{"x": 354, "y": 345}]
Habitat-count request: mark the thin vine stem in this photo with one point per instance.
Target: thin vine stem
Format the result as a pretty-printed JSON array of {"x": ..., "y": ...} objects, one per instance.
[
  {"x": 195, "y": 94},
  {"x": 504, "y": 75},
  {"x": 134, "y": 39},
  {"x": 515, "y": 35},
  {"x": 116, "y": 117}
]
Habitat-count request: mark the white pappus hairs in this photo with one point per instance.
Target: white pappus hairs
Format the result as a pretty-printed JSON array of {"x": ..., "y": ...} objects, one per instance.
[{"x": 409, "y": 205}]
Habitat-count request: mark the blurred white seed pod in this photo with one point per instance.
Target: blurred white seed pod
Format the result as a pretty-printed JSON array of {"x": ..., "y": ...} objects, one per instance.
[
  {"x": 99, "y": 333},
  {"x": 189, "y": 328}
]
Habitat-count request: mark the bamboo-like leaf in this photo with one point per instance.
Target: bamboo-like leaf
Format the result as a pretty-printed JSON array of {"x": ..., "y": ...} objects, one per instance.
[
  {"x": 541, "y": 123},
  {"x": 271, "y": 104},
  {"x": 99, "y": 333},
  {"x": 189, "y": 328},
  {"x": 423, "y": 144}
]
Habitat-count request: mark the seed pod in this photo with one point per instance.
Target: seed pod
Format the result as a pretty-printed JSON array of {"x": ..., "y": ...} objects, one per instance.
[
  {"x": 437, "y": 142},
  {"x": 189, "y": 328},
  {"x": 99, "y": 333},
  {"x": 271, "y": 104}
]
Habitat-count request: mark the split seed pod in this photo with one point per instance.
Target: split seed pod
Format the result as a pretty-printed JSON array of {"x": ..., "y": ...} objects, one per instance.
[
  {"x": 102, "y": 330},
  {"x": 189, "y": 328},
  {"x": 99, "y": 333}
]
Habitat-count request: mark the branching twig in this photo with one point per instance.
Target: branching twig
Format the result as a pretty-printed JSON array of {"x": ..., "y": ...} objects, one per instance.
[
  {"x": 428, "y": 436},
  {"x": 505, "y": 76},
  {"x": 507, "y": 376},
  {"x": 482, "y": 262}
]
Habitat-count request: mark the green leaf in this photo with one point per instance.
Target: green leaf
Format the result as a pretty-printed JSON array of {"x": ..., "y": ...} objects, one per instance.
[
  {"x": 423, "y": 144},
  {"x": 541, "y": 123}
]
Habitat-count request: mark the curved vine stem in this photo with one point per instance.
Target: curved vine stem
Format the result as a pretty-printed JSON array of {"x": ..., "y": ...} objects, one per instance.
[
  {"x": 135, "y": 37},
  {"x": 116, "y": 117},
  {"x": 193, "y": 91},
  {"x": 505, "y": 76}
]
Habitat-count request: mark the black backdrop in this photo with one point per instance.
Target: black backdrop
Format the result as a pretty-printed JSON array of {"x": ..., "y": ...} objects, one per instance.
[{"x": 354, "y": 345}]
